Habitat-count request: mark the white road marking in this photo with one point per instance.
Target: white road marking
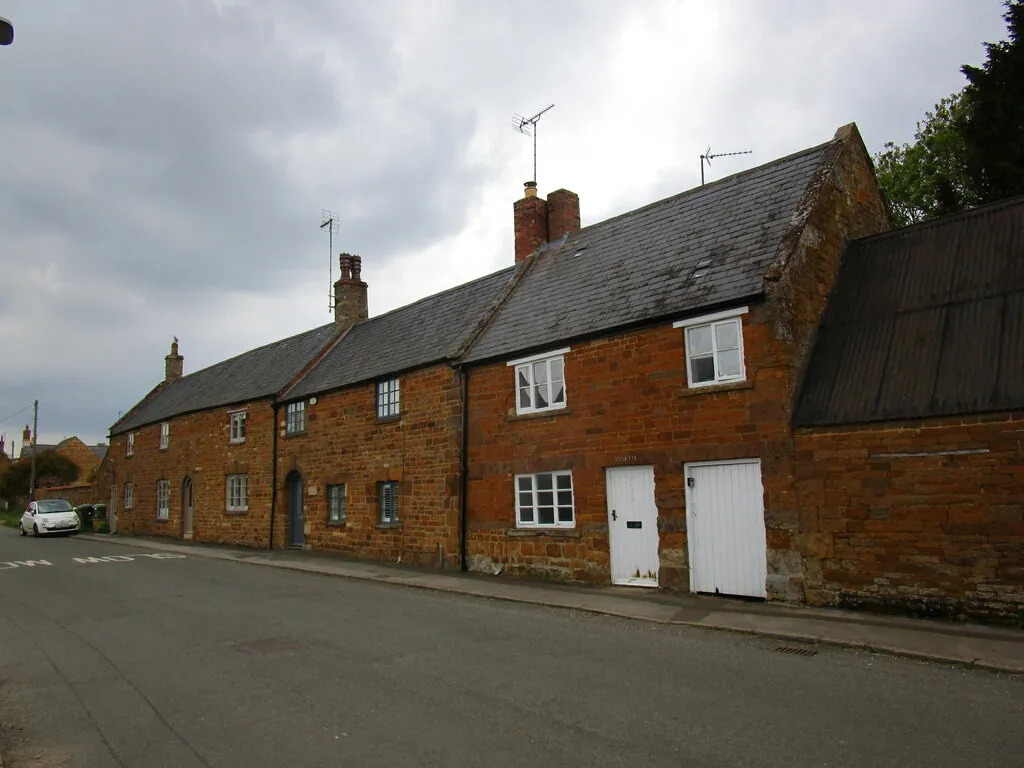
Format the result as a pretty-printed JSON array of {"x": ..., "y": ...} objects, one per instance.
[
  {"x": 6, "y": 565},
  {"x": 128, "y": 558}
]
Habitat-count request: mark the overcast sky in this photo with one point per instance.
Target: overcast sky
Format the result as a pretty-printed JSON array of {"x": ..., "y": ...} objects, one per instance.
[{"x": 163, "y": 166}]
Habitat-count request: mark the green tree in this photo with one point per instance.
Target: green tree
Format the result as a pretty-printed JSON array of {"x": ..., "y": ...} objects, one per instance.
[
  {"x": 929, "y": 177},
  {"x": 994, "y": 129},
  {"x": 51, "y": 469},
  {"x": 970, "y": 149}
]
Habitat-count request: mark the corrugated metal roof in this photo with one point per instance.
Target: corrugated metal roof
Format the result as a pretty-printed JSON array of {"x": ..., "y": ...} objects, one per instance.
[
  {"x": 641, "y": 265},
  {"x": 924, "y": 321}
]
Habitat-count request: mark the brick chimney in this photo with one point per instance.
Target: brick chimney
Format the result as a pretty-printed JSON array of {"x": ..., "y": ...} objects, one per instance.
[
  {"x": 563, "y": 214},
  {"x": 174, "y": 363},
  {"x": 26, "y": 438},
  {"x": 1, "y": 445},
  {"x": 349, "y": 292},
  {"x": 538, "y": 221}
]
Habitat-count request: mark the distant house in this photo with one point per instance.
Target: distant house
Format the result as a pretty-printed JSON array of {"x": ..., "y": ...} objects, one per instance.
[{"x": 677, "y": 397}]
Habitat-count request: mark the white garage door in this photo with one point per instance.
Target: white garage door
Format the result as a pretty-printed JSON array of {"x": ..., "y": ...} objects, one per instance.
[{"x": 725, "y": 528}]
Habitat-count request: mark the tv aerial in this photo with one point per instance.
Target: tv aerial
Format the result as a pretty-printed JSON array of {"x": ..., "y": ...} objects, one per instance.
[
  {"x": 329, "y": 221},
  {"x": 528, "y": 127},
  {"x": 706, "y": 157}
]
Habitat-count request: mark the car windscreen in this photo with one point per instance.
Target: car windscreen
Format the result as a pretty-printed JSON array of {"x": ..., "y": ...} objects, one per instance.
[{"x": 54, "y": 505}]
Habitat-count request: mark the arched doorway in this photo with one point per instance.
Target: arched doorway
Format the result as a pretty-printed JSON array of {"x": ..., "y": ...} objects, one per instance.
[
  {"x": 296, "y": 518},
  {"x": 187, "y": 502}
]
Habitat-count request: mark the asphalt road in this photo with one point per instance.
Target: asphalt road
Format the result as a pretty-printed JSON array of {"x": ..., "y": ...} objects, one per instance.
[{"x": 146, "y": 660}]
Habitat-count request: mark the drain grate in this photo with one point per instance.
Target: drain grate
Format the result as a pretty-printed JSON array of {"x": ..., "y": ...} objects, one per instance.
[{"x": 794, "y": 651}]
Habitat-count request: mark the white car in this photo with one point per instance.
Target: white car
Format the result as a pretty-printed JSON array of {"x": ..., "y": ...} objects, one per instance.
[{"x": 49, "y": 516}]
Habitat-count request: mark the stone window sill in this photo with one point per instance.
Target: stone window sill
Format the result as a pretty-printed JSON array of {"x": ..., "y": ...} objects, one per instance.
[
  {"x": 389, "y": 419},
  {"x": 554, "y": 533},
  {"x": 714, "y": 388},
  {"x": 513, "y": 416},
  {"x": 236, "y": 512},
  {"x": 387, "y": 526},
  {"x": 336, "y": 524},
  {"x": 288, "y": 435}
]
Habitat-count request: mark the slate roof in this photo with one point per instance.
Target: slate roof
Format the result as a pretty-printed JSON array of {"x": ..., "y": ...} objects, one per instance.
[
  {"x": 255, "y": 374},
  {"x": 924, "y": 321},
  {"x": 639, "y": 267},
  {"x": 26, "y": 450},
  {"x": 427, "y": 331}
]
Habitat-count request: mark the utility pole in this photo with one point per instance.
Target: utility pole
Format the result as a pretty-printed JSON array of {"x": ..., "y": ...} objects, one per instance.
[{"x": 35, "y": 439}]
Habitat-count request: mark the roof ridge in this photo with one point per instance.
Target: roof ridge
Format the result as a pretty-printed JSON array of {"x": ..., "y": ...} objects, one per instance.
[
  {"x": 491, "y": 312},
  {"x": 411, "y": 304},
  {"x": 706, "y": 188},
  {"x": 311, "y": 365},
  {"x": 250, "y": 351},
  {"x": 949, "y": 218}
]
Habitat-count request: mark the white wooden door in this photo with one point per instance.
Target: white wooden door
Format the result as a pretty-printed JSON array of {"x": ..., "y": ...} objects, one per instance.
[
  {"x": 632, "y": 525},
  {"x": 725, "y": 528}
]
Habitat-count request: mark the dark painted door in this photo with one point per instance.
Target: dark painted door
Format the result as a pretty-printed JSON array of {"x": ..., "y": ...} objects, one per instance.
[
  {"x": 295, "y": 517},
  {"x": 186, "y": 508}
]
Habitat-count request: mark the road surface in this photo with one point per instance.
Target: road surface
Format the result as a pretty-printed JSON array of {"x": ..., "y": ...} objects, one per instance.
[{"x": 111, "y": 656}]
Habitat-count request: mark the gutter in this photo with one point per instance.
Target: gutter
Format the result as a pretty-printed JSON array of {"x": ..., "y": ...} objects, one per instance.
[
  {"x": 464, "y": 470},
  {"x": 273, "y": 481}
]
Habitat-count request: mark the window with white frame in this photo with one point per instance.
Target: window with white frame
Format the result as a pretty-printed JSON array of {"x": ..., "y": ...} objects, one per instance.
[
  {"x": 165, "y": 435},
  {"x": 540, "y": 382},
  {"x": 714, "y": 348},
  {"x": 163, "y": 498},
  {"x": 128, "y": 494},
  {"x": 387, "y": 398},
  {"x": 237, "y": 421},
  {"x": 129, "y": 444},
  {"x": 238, "y": 493},
  {"x": 295, "y": 417},
  {"x": 387, "y": 501},
  {"x": 544, "y": 500},
  {"x": 336, "y": 504}
]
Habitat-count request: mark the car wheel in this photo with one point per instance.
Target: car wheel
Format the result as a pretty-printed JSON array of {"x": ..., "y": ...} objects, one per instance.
[
  {"x": 21, "y": 527},
  {"x": 35, "y": 531}
]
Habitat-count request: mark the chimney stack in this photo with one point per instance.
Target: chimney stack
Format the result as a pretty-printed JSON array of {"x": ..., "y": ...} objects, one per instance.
[
  {"x": 538, "y": 221},
  {"x": 1, "y": 445},
  {"x": 349, "y": 292},
  {"x": 174, "y": 363},
  {"x": 563, "y": 214},
  {"x": 26, "y": 438}
]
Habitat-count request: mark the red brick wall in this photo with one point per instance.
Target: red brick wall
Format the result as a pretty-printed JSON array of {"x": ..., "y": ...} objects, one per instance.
[
  {"x": 628, "y": 404},
  {"x": 345, "y": 443},
  {"x": 939, "y": 534},
  {"x": 83, "y": 458},
  {"x": 72, "y": 494},
  {"x": 199, "y": 448}
]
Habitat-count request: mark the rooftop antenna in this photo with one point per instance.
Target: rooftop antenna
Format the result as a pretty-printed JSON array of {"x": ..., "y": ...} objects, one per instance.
[
  {"x": 524, "y": 125},
  {"x": 707, "y": 157},
  {"x": 329, "y": 221}
]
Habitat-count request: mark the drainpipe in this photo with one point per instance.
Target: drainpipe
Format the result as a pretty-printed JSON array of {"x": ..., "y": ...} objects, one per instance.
[
  {"x": 273, "y": 479},
  {"x": 464, "y": 470}
]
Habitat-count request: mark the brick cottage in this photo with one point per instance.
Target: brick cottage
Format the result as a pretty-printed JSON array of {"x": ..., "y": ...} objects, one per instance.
[{"x": 617, "y": 406}]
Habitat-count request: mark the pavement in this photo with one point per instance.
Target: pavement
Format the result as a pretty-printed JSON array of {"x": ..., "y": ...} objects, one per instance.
[{"x": 996, "y": 649}]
